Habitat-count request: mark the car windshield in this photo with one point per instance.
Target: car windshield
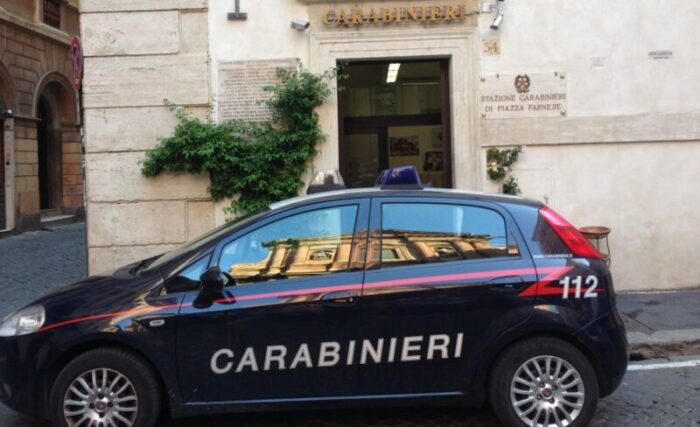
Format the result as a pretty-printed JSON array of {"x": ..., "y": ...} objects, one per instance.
[{"x": 201, "y": 241}]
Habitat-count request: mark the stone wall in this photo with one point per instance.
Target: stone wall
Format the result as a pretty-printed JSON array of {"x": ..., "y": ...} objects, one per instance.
[
  {"x": 28, "y": 57},
  {"x": 34, "y": 57},
  {"x": 27, "y": 166},
  {"x": 73, "y": 188},
  {"x": 128, "y": 77},
  {"x": 621, "y": 155}
]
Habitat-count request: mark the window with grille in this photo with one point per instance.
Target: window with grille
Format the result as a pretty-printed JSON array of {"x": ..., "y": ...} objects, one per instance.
[{"x": 52, "y": 13}]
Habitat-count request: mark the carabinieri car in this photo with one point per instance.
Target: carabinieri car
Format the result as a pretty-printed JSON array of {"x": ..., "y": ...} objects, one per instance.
[{"x": 380, "y": 296}]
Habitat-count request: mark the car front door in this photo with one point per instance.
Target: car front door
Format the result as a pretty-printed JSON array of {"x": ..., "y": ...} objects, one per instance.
[
  {"x": 442, "y": 280},
  {"x": 280, "y": 331}
]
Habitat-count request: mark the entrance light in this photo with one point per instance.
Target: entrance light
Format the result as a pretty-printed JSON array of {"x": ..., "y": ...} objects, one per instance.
[{"x": 393, "y": 73}]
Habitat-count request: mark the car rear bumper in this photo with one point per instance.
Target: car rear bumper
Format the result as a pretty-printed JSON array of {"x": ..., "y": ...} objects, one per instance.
[{"x": 607, "y": 340}]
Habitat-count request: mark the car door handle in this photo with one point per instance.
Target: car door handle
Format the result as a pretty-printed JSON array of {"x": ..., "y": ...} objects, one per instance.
[
  {"x": 339, "y": 298},
  {"x": 507, "y": 284}
]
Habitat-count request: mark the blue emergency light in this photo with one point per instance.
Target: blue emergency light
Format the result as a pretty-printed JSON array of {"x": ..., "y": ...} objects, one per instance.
[{"x": 405, "y": 177}]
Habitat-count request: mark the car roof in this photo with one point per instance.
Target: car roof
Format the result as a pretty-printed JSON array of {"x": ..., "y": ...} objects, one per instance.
[{"x": 390, "y": 192}]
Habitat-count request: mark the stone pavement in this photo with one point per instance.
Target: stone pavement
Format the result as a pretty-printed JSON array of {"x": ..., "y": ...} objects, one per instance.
[
  {"x": 35, "y": 262},
  {"x": 661, "y": 318}
]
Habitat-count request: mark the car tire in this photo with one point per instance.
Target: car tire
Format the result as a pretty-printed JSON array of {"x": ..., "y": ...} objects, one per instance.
[
  {"x": 543, "y": 374},
  {"x": 106, "y": 384}
]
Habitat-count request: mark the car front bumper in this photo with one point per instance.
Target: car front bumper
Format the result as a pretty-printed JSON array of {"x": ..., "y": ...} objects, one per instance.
[{"x": 19, "y": 378}]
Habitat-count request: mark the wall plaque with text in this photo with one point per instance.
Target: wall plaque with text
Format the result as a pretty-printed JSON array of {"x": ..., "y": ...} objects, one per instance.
[
  {"x": 523, "y": 95},
  {"x": 241, "y": 88}
]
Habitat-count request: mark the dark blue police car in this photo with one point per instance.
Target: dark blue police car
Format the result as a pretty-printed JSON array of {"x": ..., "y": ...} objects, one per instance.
[{"x": 390, "y": 295}]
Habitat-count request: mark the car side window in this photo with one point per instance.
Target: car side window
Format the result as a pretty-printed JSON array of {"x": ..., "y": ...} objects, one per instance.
[
  {"x": 414, "y": 233},
  {"x": 188, "y": 278},
  {"x": 306, "y": 244}
]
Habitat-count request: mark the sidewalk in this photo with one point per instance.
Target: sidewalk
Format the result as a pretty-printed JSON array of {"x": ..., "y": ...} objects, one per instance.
[{"x": 656, "y": 319}]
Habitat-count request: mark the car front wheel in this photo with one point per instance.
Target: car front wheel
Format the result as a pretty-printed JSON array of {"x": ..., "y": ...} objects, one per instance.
[
  {"x": 105, "y": 387},
  {"x": 543, "y": 382}
]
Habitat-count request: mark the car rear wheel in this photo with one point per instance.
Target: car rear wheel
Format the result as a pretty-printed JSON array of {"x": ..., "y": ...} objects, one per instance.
[
  {"x": 105, "y": 388},
  {"x": 543, "y": 382}
]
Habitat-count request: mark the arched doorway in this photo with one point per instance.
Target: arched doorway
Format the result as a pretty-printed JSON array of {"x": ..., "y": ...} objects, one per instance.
[
  {"x": 55, "y": 111},
  {"x": 49, "y": 153}
]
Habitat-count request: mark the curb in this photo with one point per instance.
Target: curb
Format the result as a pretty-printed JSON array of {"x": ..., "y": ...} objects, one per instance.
[
  {"x": 663, "y": 344},
  {"x": 677, "y": 336}
]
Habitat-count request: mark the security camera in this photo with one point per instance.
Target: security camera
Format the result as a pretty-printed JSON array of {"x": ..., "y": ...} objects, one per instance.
[
  {"x": 7, "y": 113},
  {"x": 300, "y": 24},
  {"x": 497, "y": 21}
]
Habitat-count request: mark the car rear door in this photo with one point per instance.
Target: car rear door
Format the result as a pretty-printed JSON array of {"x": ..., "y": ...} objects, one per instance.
[
  {"x": 281, "y": 331},
  {"x": 442, "y": 280}
]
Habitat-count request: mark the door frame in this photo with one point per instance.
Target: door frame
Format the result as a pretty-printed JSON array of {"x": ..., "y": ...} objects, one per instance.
[{"x": 460, "y": 45}]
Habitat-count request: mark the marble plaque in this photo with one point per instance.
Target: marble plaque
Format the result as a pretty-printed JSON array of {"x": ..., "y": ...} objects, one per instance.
[
  {"x": 523, "y": 95},
  {"x": 241, "y": 93}
]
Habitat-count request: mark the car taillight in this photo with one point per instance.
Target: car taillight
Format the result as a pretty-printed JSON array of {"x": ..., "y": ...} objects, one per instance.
[{"x": 570, "y": 236}]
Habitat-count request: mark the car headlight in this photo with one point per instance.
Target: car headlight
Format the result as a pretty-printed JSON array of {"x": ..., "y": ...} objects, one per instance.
[{"x": 26, "y": 321}]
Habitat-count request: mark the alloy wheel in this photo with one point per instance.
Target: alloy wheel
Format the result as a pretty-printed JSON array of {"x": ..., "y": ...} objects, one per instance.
[
  {"x": 547, "y": 391},
  {"x": 101, "y": 398}
]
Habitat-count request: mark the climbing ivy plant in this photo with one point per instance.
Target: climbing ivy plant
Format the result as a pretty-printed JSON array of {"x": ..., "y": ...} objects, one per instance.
[
  {"x": 255, "y": 164},
  {"x": 499, "y": 164}
]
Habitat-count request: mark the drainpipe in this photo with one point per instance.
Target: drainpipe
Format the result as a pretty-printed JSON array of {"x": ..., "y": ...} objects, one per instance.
[{"x": 8, "y": 158}]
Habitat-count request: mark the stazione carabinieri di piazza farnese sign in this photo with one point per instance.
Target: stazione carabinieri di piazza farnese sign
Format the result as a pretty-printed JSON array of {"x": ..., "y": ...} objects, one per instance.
[
  {"x": 393, "y": 15},
  {"x": 523, "y": 95}
]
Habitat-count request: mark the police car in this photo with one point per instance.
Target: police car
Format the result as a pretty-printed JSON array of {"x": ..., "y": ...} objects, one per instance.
[{"x": 390, "y": 295}]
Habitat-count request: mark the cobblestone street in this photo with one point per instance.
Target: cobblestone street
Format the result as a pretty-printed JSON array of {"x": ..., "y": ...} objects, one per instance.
[
  {"x": 657, "y": 397},
  {"x": 35, "y": 262}
]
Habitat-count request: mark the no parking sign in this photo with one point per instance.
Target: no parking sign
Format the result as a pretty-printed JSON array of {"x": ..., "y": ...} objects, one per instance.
[{"x": 76, "y": 56}]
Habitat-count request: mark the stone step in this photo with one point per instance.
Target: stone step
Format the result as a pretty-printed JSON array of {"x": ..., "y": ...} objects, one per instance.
[
  {"x": 50, "y": 212},
  {"x": 56, "y": 221}
]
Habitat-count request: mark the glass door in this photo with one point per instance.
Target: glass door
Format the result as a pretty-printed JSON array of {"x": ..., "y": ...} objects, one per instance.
[{"x": 395, "y": 113}]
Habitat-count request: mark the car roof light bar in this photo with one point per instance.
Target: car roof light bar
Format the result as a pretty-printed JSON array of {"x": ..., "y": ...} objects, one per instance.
[
  {"x": 402, "y": 177},
  {"x": 328, "y": 180}
]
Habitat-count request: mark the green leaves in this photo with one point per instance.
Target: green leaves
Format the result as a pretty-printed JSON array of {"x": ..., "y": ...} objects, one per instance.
[
  {"x": 498, "y": 167},
  {"x": 259, "y": 163}
]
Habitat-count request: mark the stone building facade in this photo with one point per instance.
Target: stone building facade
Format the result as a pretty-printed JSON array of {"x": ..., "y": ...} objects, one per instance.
[
  {"x": 599, "y": 92},
  {"x": 41, "y": 172}
]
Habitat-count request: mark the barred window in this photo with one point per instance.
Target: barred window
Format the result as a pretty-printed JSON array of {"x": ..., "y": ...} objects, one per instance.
[{"x": 52, "y": 13}]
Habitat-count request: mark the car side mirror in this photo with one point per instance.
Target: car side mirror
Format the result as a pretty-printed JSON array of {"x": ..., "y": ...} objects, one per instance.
[{"x": 212, "y": 286}]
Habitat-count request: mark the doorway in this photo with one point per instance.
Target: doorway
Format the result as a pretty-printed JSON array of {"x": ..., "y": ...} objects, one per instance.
[
  {"x": 395, "y": 113},
  {"x": 50, "y": 153}
]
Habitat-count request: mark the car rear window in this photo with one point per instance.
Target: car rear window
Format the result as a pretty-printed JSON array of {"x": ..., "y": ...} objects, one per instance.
[{"x": 414, "y": 233}]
